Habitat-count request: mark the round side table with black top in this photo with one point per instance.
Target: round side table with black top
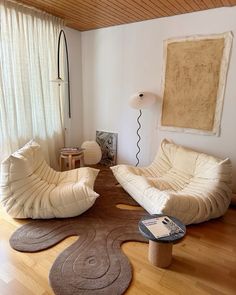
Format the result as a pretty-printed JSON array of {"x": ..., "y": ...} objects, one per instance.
[{"x": 160, "y": 249}]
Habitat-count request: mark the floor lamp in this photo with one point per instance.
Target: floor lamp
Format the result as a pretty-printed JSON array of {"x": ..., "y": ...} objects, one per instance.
[
  {"x": 141, "y": 100},
  {"x": 59, "y": 80}
]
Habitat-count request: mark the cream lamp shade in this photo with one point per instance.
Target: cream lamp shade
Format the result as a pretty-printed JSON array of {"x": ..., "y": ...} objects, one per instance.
[
  {"x": 92, "y": 152},
  {"x": 142, "y": 100}
]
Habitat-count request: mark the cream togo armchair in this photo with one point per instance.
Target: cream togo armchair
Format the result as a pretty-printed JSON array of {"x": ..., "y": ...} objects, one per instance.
[
  {"x": 180, "y": 182},
  {"x": 29, "y": 188}
]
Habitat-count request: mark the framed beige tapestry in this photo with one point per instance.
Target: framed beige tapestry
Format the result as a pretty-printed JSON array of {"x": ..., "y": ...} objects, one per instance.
[{"x": 194, "y": 78}]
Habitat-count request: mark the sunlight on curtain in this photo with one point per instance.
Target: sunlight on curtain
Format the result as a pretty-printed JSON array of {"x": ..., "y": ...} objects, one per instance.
[{"x": 30, "y": 105}]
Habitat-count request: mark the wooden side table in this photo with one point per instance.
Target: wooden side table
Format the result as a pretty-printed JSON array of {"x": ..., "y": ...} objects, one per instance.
[
  {"x": 71, "y": 157},
  {"x": 160, "y": 249}
]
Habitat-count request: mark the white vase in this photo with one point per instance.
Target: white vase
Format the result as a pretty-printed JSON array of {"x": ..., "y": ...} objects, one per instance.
[{"x": 92, "y": 152}]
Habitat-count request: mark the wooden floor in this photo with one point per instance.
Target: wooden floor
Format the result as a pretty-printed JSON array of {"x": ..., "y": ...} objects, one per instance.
[{"x": 203, "y": 263}]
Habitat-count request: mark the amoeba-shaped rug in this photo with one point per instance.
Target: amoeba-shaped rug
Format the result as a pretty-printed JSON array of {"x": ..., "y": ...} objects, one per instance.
[{"x": 95, "y": 263}]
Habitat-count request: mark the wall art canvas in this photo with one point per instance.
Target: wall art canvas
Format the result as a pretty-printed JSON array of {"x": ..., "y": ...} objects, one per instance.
[
  {"x": 108, "y": 144},
  {"x": 195, "y": 70}
]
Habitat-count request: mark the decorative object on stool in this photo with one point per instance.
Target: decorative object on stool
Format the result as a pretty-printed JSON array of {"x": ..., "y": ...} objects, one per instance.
[
  {"x": 108, "y": 144},
  {"x": 59, "y": 80},
  {"x": 141, "y": 100},
  {"x": 92, "y": 152}
]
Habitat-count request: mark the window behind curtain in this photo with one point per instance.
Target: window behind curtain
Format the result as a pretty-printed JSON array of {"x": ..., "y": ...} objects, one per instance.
[{"x": 30, "y": 106}]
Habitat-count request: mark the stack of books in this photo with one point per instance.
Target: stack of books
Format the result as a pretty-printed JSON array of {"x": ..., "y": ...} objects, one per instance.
[{"x": 71, "y": 150}]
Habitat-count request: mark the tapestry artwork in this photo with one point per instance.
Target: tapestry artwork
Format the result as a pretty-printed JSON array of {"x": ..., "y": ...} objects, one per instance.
[{"x": 194, "y": 83}]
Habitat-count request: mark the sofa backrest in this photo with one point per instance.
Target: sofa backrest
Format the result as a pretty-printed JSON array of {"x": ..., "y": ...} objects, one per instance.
[
  {"x": 21, "y": 163},
  {"x": 191, "y": 162}
]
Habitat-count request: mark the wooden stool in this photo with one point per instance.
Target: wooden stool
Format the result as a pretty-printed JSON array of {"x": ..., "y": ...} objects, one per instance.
[
  {"x": 71, "y": 157},
  {"x": 160, "y": 249},
  {"x": 160, "y": 254}
]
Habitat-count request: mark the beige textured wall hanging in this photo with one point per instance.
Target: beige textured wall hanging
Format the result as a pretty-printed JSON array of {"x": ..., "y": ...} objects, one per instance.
[{"x": 194, "y": 81}]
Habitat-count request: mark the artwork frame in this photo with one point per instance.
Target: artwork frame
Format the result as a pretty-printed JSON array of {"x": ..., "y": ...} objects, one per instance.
[
  {"x": 108, "y": 144},
  {"x": 185, "y": 89}
]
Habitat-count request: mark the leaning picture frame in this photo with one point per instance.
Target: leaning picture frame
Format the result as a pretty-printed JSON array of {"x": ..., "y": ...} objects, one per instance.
[{"x": 108, "y": 143}]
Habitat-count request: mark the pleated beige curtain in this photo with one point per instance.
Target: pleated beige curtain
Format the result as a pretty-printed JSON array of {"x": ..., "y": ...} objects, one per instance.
[{"x": 30, "y": 105}]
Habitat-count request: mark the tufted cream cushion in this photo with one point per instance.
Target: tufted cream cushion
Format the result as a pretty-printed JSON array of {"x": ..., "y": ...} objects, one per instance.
[
  {"x": 29, "y": 188},
  {"x": 180, "y": 182}
]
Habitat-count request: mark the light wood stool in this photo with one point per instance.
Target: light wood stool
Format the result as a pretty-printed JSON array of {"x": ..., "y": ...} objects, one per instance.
[
  {"x": 71, "y": 157},
  {"x": 160, "y": 254}
]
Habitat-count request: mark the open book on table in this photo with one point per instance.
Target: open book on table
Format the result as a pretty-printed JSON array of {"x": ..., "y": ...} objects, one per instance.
[{"x": 162, "y": 226}]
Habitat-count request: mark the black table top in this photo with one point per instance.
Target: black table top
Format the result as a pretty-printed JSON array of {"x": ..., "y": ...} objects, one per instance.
[{"x": 173, "y": 238}]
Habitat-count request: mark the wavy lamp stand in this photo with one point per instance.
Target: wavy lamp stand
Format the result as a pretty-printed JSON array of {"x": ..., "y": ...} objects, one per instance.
[
  {"x": 139, "y": 137},
  {"x": 141, "y": 100}
]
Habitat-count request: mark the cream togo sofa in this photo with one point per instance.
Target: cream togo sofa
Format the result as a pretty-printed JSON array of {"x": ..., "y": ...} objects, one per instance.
[
  {"x": 29, "y": 188},
  {"x": 180, "y": 182}
]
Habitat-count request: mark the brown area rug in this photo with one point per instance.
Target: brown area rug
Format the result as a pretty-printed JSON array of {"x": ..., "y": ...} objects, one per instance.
[{"x": 95, "y": 263}]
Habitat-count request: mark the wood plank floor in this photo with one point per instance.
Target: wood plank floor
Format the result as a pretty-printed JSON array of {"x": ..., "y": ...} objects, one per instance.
[{"x": 203, "y": 263}]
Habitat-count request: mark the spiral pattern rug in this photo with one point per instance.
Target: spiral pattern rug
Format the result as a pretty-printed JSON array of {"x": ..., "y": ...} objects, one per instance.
[{"x": 95, "y": 263}]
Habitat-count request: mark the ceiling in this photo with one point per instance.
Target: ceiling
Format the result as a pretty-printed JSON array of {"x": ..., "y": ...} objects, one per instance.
[{"x": 86, "y": 15}]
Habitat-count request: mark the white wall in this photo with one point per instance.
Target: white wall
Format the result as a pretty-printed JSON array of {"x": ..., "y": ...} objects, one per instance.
[
  {"x": 119, "y": 61},
  {"x": 74, "y": 126}
]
